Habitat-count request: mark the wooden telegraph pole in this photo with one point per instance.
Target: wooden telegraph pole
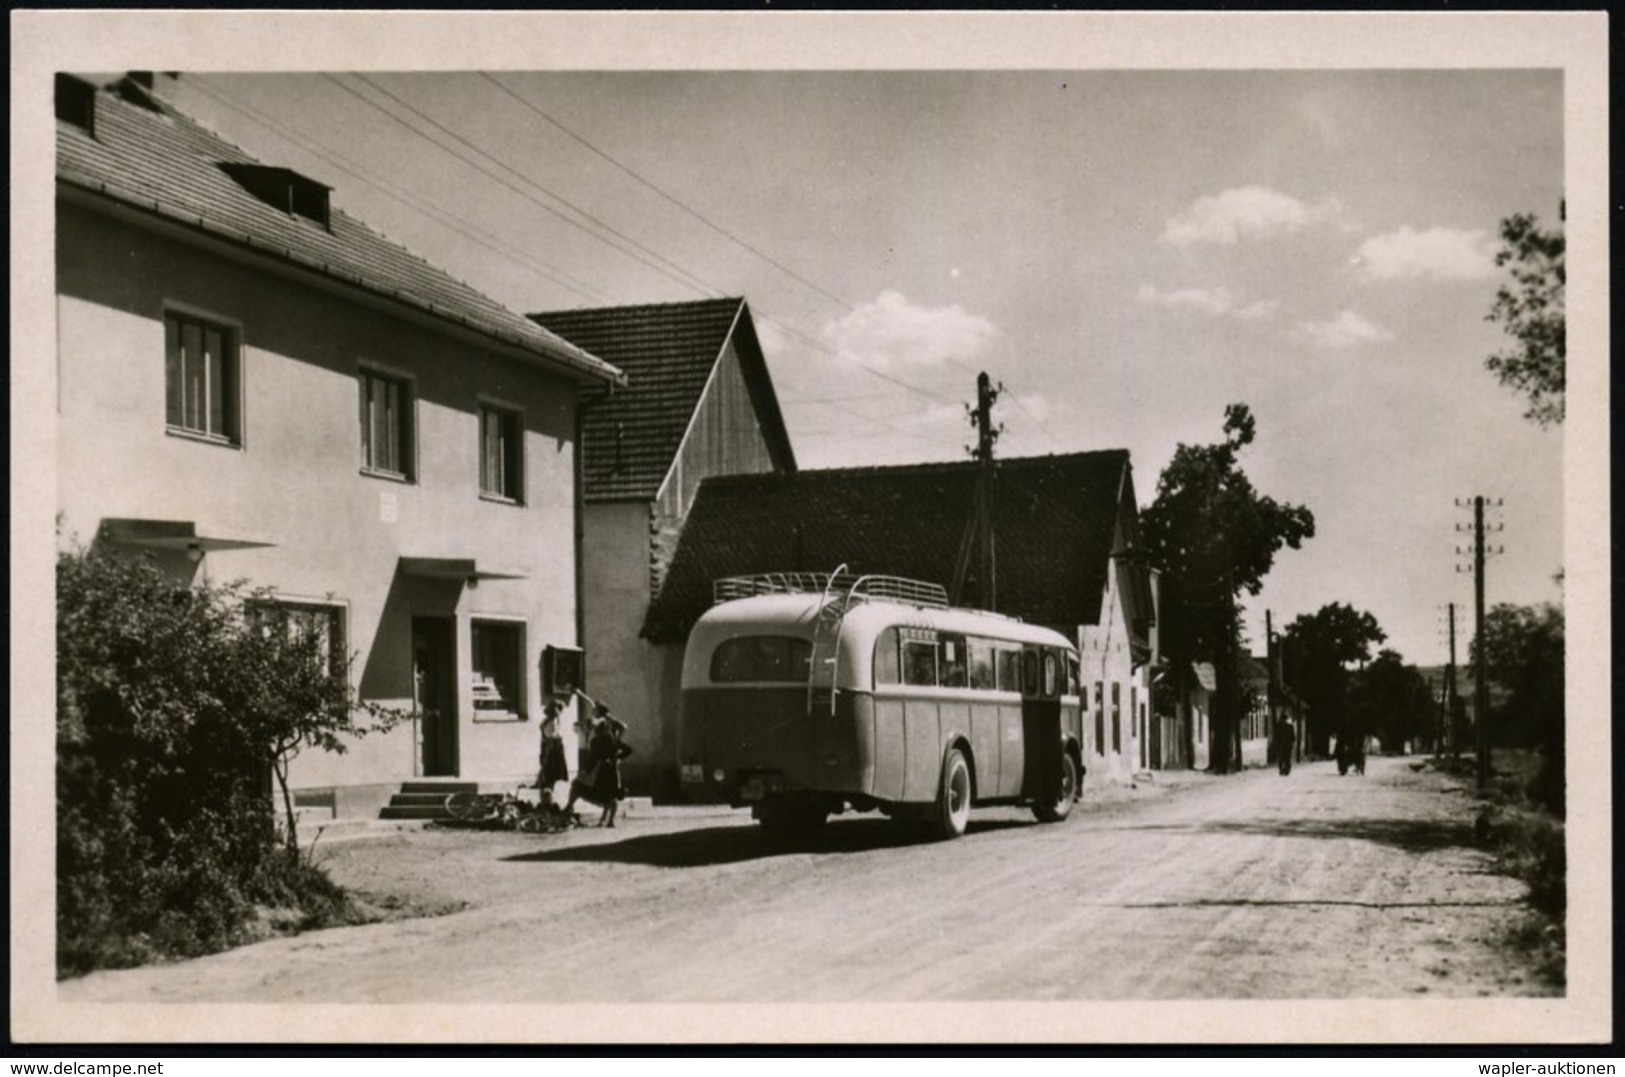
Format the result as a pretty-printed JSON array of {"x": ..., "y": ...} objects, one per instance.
[{"x": 980, "y": 532}]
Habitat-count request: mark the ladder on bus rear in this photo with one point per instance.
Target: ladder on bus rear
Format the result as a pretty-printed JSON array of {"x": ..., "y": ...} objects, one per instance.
[{"x": 826, "y": 642}]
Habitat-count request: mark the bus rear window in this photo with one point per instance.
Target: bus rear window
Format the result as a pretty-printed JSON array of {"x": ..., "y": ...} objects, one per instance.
[{"x": 762, "y": 658}]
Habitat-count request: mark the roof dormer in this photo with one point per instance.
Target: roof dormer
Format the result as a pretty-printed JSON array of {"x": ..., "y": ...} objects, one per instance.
[
  {"x": 76, "y": 102},
  {"x": 282, "y": 189}
]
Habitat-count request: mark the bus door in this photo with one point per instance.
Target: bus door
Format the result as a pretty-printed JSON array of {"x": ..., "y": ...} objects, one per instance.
[{"x": 1040, "y": 723}]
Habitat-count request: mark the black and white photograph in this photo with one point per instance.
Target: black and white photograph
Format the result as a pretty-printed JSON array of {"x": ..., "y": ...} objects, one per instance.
[{"x": 577, "y": 527}]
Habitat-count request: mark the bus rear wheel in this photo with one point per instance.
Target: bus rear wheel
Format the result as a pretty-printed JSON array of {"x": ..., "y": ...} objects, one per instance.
[
  {"x": 1068, "y": 791},
  {"x": 952, "y": 812}
]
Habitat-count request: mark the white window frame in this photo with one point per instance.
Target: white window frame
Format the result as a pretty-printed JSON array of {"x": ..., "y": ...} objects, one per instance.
[
  {"x": 516, "y": 710},
  {"x": 512, "y": 487},
  {"x": 231, "y": 394},
  {"x": 406, "y": 434}
]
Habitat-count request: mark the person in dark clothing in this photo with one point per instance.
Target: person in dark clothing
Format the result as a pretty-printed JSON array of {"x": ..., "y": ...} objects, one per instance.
[
  {"x": 600, "y": 783},
  {"x": 1286, "y": 739},
  {"x": 551, "y": 767}
]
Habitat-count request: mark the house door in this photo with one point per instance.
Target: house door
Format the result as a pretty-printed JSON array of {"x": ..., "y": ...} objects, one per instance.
[{"x": 434, "y": 693}]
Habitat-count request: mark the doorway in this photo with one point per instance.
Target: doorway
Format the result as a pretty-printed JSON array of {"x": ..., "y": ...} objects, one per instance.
[{"x": 434, "y": 693}]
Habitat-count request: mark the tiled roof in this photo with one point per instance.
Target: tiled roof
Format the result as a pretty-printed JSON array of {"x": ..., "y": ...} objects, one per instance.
[
  {"x": 152, "y": 159},
  {"x": 1053, "y": 533},
  {"x": 668, "y": 351}
]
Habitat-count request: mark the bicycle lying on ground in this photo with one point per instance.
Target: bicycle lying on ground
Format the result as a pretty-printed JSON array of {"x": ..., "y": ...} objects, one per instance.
[{"x": 505, "y": 811}]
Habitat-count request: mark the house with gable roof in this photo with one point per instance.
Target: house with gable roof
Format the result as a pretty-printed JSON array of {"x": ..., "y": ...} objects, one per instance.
[
  {"x": 255, "y": 385},
  {"x": 698, "y": 402},
  {"x": 1065, "y": 529}
]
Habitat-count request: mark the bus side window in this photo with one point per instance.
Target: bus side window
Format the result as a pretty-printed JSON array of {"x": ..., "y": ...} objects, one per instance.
[
  {"x": 887, "y": 670},
  {"x": 981, "y": 664},
  {"x": 919, "y": 663},
  {"x": 1009, "y": 671},
  {"x": 952, "y": 666},
  {"x": 1072, "y": 676},
  {"x": 1052, "y": 675},
  {"x": 1029, "y": 673}
]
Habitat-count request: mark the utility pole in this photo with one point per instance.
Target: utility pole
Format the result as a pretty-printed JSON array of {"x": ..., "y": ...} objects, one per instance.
[
  {"x": 1273, "y": 673},
  {"x": 1481, "y": 699},
  {"x": 1450, "y": 690},
  {"x": 1481, "y": 710},
  {"x": 981, "y": 530}
]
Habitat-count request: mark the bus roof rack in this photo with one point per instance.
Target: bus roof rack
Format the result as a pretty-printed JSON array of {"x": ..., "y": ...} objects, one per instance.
[{"x": 848, "y": 587}]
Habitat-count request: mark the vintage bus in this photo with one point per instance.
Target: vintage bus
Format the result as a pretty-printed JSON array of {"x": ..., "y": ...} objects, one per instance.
[{"x": 804, "y": 695}]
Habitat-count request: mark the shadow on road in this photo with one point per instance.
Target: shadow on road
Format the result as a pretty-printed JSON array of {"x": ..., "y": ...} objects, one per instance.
[
  {"x": 733, "y": 844},
  {"x": 1412, "y": 835}
]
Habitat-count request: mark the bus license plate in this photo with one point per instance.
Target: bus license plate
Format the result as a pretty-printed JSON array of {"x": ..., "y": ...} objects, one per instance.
[{"x": 759, "y": 786}]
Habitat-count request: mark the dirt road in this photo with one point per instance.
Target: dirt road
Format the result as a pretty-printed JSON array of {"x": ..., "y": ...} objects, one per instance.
[{"x": 1248, "y": 887}]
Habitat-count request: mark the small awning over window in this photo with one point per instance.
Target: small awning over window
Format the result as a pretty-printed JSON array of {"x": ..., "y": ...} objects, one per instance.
[
  {"x": 175, "y": 535},
  {"x": 458, "y": 568}
]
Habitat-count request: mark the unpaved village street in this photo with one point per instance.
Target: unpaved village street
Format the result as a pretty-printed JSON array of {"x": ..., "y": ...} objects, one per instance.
[{"x": 1253, "y": 886}]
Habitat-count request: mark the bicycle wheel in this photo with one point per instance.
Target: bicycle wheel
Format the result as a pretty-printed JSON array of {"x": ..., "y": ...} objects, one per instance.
[{"x": 467, "y": 807}]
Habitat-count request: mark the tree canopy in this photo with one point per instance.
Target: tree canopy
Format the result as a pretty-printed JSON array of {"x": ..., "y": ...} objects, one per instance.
[
  {"x": 1319, "y": 648},
  {"x": 1213, "y": 535},
  {"x": 1524, "y": 654},
  {"x": 1530, "y": 310}
]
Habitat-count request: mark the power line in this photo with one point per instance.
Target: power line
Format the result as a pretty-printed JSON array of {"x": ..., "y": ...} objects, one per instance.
[
  {"x": 675, "y": 273},
  {"x": 461, "y": 226},
  {"x": 693, "y": 281},
  {"x": 686, "y": 208}
]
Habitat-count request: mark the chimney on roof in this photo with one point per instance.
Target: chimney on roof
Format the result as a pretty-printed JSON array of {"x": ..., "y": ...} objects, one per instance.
[
  {"x": 283, "y": 189},
  {"x": 137, "y": 87},
  {"x": 76, "y": 102}
]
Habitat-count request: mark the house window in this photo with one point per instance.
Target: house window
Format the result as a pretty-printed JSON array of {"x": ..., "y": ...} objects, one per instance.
[
  {"x": 502, "y": 439},
  {"x": 1100, "y": 722},
  {"x": 496, "y": 648},
  {"x": 318, "y": 625},
  {"x": 386, "y": 425},
  {"x": 201, "y": 369},
  {"x": 1117, "y": 717}
]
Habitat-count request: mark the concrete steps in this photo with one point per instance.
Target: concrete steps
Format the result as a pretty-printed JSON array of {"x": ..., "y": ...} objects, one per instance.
[{"x": 425, "y": 799}]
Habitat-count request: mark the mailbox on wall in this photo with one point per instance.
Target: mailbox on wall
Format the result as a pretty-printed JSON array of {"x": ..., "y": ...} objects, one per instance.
[{"x": 564, "y": 671}]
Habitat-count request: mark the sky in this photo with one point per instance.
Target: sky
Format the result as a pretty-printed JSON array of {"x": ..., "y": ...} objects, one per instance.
[{"x": 1127, "y": 252}]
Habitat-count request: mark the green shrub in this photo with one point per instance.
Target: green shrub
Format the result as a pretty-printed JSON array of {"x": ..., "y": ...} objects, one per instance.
[{"x": 174, "y": 711}]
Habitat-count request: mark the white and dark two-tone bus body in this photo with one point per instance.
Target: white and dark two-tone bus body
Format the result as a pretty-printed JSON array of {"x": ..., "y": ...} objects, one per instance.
[{"x": 804, "y": 704}]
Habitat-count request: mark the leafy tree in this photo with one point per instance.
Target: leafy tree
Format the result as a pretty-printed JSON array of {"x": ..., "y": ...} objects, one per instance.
[
  {"x": 1319, "y": 649},
  {"x": 1524, "y": 654},
  {"x": 1392, "y": 700},
  {"x": 1530, "y": 309},
  {"x": 1213, "y": 536},
  {"x": 173, "y": 710}
]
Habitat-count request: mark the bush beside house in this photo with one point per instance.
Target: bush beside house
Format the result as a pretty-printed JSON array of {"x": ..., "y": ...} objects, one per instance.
[{"x": 173, "y": 704}]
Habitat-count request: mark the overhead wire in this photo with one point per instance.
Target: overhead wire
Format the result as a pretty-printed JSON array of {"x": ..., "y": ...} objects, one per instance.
[
  {"x": 674, "y": 200},
  {"x": 594, "y": 228},
  {"x": 639, "y": 253},
  {"x": 467, "y": 229},
  {"x": 676, "y": 272}
]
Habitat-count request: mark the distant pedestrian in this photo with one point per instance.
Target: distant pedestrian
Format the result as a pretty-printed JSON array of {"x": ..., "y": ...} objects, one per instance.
[
  {"x": 1286, "y": 739},
  {"x": 600, "y": 781},
  {"x": 551, "y": 767}
]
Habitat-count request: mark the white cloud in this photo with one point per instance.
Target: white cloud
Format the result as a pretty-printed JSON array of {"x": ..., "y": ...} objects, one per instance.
[
  {"x": 1246, "y": 212},
  {"x": 890, "y": 332},
  {"x": 1440, "y": 253},
  {"x": 1344, "y": 331},
  {"x": 1217, "y": 301}
]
